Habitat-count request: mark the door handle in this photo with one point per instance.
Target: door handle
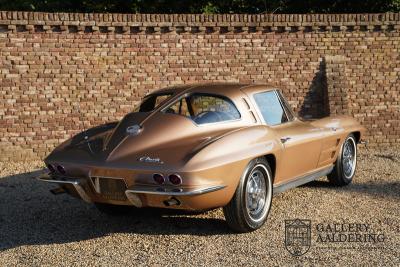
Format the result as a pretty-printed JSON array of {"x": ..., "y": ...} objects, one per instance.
[{"x": 285, "y": 139}]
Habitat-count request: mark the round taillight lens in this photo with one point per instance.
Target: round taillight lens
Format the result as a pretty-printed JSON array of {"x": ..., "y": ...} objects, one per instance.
[
  {"x": 61, "y": 169},
  {"x": 175, "y": 179},
  {"x": 51, "y": 168},
  {"x": 158, "y": 178}
]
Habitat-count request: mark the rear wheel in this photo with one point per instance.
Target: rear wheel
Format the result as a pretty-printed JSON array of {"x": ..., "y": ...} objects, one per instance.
[
  {"x": 249, "y": 207},
  {"x": 345, "y": 165},
  {"x": 114, "y": 210}
]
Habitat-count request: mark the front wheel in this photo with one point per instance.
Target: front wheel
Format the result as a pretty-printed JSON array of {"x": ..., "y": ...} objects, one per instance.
[
  {"x": 345, "y": 165},
  {"x": 249, "y": 207}
]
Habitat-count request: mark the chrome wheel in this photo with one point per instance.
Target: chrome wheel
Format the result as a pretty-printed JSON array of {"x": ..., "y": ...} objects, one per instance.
[
  {"x": 248, "y": 209},
  {"x": 257, "y": 193},
  {"x": 349, "y": 157}
]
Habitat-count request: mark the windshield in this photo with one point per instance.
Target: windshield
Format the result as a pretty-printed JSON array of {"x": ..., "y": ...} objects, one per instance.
[{"x": 151, "y": 102}]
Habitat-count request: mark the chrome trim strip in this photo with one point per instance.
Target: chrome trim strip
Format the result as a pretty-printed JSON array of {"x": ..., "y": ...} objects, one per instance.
[
  {"x": 152, "y": 190},
  {"x": 79, "y": 189},
  {"x": 301, "y": 180}
]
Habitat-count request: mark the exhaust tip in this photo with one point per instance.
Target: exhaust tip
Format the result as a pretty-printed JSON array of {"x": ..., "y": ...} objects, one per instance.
[
  {"x": 172, "y": 202},
  {"x": 57, "y": 191}
]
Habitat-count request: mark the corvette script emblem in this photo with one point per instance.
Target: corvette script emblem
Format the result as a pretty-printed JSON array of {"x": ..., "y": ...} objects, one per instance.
[{"x": 150, "y": 160}]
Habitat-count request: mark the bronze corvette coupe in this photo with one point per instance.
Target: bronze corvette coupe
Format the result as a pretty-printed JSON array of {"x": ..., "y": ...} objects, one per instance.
[{"x": 199, "y": 147}]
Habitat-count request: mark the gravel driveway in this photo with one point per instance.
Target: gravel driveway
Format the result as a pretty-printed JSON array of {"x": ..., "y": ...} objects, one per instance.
[{"x": 37, "y": 228}]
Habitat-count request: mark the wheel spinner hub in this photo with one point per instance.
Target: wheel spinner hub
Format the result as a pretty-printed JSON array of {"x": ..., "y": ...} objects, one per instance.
[
  {"x": 349, "y": 158},
  {"x": 256, "y": 193}
]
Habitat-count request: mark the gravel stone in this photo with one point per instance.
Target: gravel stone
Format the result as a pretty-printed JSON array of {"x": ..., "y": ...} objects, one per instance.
[{"x": 39, "y": 229}]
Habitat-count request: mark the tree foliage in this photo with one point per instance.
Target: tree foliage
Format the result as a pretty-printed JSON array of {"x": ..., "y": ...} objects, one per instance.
[{"x": 204, "y": 6}]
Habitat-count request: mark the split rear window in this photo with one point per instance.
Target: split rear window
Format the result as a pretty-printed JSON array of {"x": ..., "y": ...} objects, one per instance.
[{"x": 205, "y": 108}]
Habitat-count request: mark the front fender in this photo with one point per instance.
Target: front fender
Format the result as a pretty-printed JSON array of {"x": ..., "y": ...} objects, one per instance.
[{"x": 342, "y": 123}]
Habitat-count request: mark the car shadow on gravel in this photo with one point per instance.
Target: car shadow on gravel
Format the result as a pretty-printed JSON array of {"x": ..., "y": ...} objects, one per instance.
[
  {"x": 378, "y": 189},
  {"x": 31, "y": 215}
]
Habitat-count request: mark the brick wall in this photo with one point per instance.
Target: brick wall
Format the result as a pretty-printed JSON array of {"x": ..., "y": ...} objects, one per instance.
[{"x": 60, "y": 73}]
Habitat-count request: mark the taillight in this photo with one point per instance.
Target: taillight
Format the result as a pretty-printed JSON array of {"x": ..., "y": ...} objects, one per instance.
[
  {"x": 158, "y": 178},
  {"x": 175, "y": 179},
  {"x": 51, "y": 168},
  {"x": 61, "y": 169}
]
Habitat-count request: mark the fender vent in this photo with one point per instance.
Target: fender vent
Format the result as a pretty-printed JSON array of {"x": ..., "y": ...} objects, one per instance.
[{"x": 337, "y": 142}]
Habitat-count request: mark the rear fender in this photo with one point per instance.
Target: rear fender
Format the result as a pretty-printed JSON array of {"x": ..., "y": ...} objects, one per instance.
[
  {"x": 242, "y": 144},
  {"x": 224, "y": 160}
]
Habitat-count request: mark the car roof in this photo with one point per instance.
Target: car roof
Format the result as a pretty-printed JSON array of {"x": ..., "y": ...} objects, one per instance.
[{"x": 227, "y": 89}]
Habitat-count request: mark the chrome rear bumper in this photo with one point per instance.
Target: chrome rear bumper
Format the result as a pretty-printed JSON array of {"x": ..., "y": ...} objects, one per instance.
[
  {"x": 75, "y": 183},
  {"x": 133, "y": 191},
  {"x": 175, "y": 192}
]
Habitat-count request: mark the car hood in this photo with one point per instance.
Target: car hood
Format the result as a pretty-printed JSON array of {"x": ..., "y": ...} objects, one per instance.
[{"x": 164, "y": 139}]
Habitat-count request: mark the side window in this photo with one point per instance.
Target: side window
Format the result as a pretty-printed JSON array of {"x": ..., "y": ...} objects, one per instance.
[
  {"x": 205, "y": 108},
  {"x": 270, "y": 107},
  {"x": 160, "y": 99},
  {"x": 150, "y": 102},
  {"x": 180, "y": 107}
]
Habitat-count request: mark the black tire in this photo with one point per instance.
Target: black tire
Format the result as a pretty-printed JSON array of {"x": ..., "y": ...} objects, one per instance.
[
  {"x": 237, "y": 213},
  {"x": 340, "y": 175},
  {"x": 113, "y": 210}
]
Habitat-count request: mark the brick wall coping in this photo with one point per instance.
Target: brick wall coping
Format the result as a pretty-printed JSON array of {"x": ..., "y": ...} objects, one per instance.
[{"x": 91, "y": 22}]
